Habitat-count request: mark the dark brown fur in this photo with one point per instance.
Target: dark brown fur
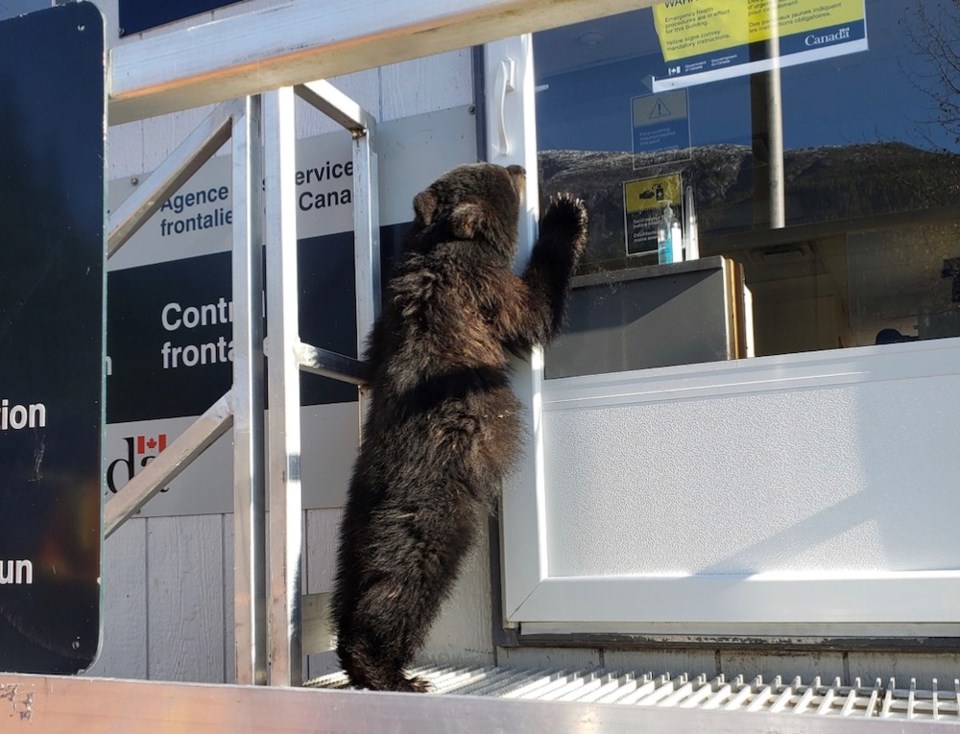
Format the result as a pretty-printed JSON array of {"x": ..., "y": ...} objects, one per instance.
[{"x": 443, "y": 428}]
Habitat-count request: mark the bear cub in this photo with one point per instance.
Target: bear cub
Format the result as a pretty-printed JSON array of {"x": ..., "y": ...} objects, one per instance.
[{"x": 443, "y": 427}]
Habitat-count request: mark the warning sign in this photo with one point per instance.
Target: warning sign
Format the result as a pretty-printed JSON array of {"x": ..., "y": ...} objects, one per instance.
[
  {"x": 709, "y": 40},
  {"x": 643, "y": 204},
  {"x": 661, "y": 124}
]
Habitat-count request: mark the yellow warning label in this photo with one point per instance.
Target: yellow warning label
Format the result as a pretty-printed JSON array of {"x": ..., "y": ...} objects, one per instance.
[
  {"x": 643, "y": 203},
  {"x": 651, "y": 193},
  {"x": 694, "y": 27}
]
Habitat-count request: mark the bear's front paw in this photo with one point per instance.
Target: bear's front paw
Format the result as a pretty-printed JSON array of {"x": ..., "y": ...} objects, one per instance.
[{"x": 565, "y": 219}]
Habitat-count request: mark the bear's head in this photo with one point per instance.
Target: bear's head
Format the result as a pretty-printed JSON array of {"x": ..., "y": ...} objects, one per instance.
[{"x": 477, "y": 202}]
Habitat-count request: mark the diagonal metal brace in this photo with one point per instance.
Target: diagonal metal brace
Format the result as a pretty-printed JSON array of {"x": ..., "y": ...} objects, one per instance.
[
  {"x": 333, "y": 103},
  {"x": 176, "y": 170},
  {"x": 217, "y": 420}
]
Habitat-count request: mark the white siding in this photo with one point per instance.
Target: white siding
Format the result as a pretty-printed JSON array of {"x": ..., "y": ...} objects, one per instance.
[
  {"x": 186, "y": 638},
  {"x": 123, "y": 650}
]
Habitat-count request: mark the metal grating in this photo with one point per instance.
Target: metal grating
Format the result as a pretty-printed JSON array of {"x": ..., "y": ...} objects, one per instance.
[{"x": 816, "y": 698}]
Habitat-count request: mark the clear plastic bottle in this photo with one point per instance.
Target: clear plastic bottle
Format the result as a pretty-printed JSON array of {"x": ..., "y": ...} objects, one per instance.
[{"x": 669, "y": 237}]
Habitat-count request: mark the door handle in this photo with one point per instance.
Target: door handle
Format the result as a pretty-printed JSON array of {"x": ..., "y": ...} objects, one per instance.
[{"x": 506, "y": 82}]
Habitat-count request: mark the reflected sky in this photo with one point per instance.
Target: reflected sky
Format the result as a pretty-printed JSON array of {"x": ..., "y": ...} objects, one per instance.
[
  {"x": 588, "y": 73},
  {"x": 13, "y": 8}
]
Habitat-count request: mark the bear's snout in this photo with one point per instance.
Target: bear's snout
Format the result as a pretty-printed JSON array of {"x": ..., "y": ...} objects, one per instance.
[{"x": 518, "y": 176}]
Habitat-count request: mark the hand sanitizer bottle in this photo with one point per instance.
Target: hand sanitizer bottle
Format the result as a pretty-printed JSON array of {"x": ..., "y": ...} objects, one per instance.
[{"x": 669, "y": 237}]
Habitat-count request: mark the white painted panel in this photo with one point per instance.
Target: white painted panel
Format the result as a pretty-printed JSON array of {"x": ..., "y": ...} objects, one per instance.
[
  {"x": 331, "y": 437},
  {"x": 125, "y": 150},
  {"x": 185, "y": 588},
  {"x": 123, "y": 650},
  {"x": 427, "y": 84},
  {"x": 836, "y": 479},
  {"x": 797, "y": 633},
  {"x": 510, "y": 124},
  {"x": 229, "y": 11},
  {"x": 109, "y": 9},
  {"x": 414, "y": 151},
  {"x": 792, "y": 489},
  {"x": 166, "y": 132}
]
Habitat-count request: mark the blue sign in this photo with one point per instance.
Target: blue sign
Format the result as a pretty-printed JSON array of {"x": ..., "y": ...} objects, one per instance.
[
  {"x": 141, "y": 15},
  {"x": 52, "y": 124},
  {"x": 661, "y": 124}
]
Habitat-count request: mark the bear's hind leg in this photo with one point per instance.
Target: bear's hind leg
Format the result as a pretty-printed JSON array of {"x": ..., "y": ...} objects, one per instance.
[
  {"x": 367, "y": 665},
  {"x": 379, "y": 640}
]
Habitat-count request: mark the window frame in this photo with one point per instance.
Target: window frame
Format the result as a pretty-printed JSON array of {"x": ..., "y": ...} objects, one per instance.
[{"x": 794, "y": 603}]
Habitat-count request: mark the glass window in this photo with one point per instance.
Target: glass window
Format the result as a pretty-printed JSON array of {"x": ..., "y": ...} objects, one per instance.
[
  {"x": 824, "y": 188},
  {"x": 13, "y": 8}
]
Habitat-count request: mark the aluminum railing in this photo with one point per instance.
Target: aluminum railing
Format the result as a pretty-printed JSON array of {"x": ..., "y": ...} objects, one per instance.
[{"x": 267, "y": 615}]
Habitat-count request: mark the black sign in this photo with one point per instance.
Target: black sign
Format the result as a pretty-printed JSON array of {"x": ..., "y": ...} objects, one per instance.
[
  {"x": 139, "y": 15},
  {"x": 170, "y": 328},
  {"x": 52, "y": 123}
]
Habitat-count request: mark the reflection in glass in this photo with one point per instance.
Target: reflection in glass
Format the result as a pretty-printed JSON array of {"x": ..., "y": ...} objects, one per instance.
[{"x": 870, "y": 246}]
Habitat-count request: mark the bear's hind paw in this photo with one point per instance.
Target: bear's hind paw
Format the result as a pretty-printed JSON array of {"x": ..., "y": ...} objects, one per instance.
[{"x": 414, "y": 684}]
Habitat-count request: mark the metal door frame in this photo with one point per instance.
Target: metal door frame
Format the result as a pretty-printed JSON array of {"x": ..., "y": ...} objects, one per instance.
[{"x": 267, "y": 617}]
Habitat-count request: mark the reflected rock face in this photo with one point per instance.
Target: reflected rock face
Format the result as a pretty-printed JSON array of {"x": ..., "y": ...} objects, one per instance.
[{"x": 823, "y": 184}]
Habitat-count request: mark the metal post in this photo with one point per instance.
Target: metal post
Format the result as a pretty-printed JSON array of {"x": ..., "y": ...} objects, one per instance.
[
  {"x": 285, "y": 502},
  {"x": 249, "y": 553},
  {"x": 366, "y": 196},
  {"x": 769, "y": 209},
  {"x": 366, "y": 239}
]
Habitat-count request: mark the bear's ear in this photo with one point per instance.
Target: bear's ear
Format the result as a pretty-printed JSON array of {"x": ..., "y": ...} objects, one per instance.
[
  {"x": 465, "y": 220},
  {"x": 425, "y": 206}
]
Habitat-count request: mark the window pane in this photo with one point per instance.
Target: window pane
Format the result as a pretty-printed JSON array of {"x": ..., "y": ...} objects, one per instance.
[{"x": 861, "y": 247}]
